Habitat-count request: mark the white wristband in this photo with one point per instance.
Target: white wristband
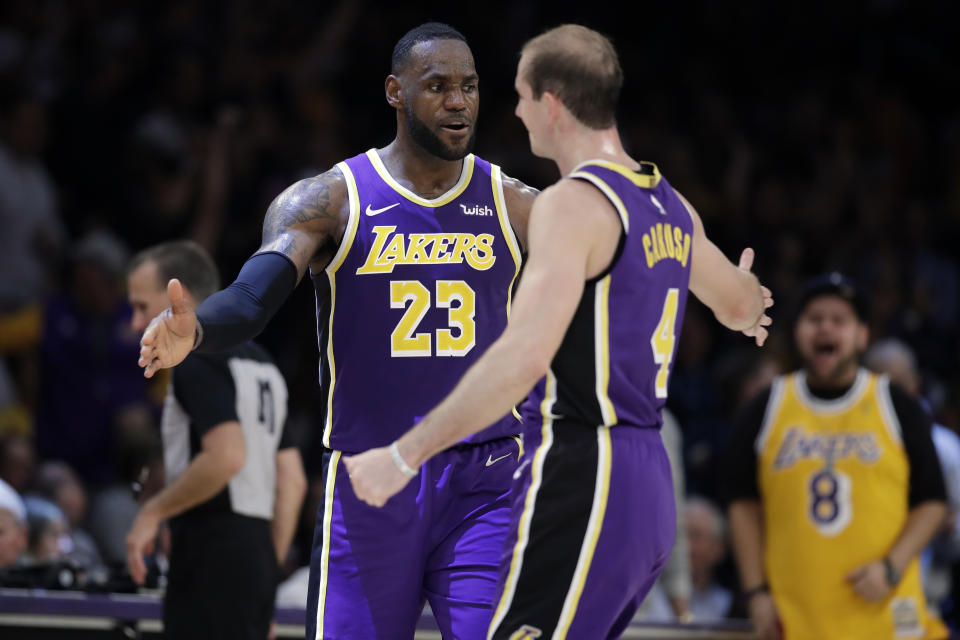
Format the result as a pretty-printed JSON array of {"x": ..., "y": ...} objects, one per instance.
[{"x": 400, "y": 462}]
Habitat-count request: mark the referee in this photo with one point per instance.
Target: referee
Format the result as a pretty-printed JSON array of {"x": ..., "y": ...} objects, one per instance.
[{"x": 234, "y": 483}]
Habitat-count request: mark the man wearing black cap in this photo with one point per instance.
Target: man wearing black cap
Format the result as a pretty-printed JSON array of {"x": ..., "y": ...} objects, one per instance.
[{"x": 834, "y": 489}]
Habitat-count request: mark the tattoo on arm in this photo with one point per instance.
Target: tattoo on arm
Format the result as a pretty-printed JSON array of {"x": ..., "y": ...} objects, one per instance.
[{"x": 304, "y": 217}]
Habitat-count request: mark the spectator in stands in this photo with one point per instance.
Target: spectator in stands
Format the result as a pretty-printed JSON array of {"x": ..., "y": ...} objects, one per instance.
[
  {"x": 834, "y": 488},
  {"x": 17, "y": 461},
  {"x": 13, "y": 527},
  {"x": 31, "y": 232},
  {"x": 56, "y": 481},
  {"x": 89, "y": 390},
  {"x": 707, "y": 541},
  {"x": 49, "y": 531},
  {"x": 897, "y": 360}
]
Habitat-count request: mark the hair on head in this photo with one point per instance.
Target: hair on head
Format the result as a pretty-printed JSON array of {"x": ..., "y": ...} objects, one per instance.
[
  {"x": 185, "y": 260},
  {"x": 580, "y": 67},
  {"x": 426, "y": 32}
]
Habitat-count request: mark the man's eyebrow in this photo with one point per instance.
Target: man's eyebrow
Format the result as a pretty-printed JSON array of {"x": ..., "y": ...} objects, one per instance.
[{"x": 437, "y": 75}]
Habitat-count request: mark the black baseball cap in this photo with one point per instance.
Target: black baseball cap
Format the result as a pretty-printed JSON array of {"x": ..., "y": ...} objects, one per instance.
[{"x": 833, "y": 284}]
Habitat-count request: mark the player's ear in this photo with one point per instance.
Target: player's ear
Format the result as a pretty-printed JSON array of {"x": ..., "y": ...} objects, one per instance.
[
  {"x": 554, "y": 105},
  {"x": 394, "y": 91}
]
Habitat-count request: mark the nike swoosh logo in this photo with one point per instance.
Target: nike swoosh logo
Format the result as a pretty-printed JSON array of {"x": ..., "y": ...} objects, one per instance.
[
  {"x": 373, "y": 212},
  {"x": 491, "y": 460}
]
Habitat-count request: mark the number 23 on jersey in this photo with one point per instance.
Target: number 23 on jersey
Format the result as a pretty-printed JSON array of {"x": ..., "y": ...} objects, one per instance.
[{"x": 454, "y": 295}]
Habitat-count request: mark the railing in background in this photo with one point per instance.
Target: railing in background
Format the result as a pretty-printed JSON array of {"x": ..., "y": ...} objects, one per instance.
[{"x": 60, "y": 615}]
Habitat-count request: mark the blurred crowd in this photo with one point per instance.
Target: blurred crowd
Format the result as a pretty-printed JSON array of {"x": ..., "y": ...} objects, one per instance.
[{"x": 823, "y": 140}]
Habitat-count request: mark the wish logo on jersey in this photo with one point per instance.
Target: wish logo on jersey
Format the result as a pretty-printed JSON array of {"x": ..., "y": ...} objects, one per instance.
[
  {"x": 390, "y": 249},
  {"x": 799, "y": 444},
  {"x": 477, "y": 210}
]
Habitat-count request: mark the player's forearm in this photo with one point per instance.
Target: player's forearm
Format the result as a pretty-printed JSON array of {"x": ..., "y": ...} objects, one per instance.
[
  {"x": 291, "y": 490},
  {"x": 488, "y": 391},
  {"x": 923, "y": 521},
  {"x": 241, "y": 311},
  {"x": 206, "y": 475},
  {"x": 746, "y": 532}
]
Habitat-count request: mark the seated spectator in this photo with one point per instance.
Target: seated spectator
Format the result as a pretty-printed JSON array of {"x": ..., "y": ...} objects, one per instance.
[
  {"x": 57, "y": 482},
  {"x": 13, "y": 527},
  {"x": 706, "y": 540},
  {"x": 49, "y": 531}
]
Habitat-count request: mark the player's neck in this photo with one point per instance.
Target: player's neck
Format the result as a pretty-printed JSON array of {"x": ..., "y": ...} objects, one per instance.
[
  {"x": 418, "y": 170},
  {"x": 581, "y": 144}
]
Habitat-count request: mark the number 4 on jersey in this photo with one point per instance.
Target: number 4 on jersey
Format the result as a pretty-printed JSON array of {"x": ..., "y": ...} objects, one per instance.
[{"x": 663, "y": 339}]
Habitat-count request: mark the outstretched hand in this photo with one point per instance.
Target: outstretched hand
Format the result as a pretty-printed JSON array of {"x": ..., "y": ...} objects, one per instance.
[
  {"x": 169, "y": 337},
  {"x": 758, "y": 330}
]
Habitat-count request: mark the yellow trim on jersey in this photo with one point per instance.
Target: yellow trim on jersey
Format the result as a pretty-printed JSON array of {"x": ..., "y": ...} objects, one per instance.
[
  {"x": 641, "y": 180},
  {"x": 608, "y": 191},
  {"x": 348, "y": 236},
  {"x": 594, "y": 525},
  {"x": 500, "y": 204},
  {"x": 325, "y": 548},
  {"x": 519, "y": 441},
  {"x": 465, "y": 174},
  {"x": 529, "y": 501},
  {"x": 601, "y": 346}
]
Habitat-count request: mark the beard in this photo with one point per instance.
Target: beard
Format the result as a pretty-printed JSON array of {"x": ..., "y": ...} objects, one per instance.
[{"x": 427, "y": 140}]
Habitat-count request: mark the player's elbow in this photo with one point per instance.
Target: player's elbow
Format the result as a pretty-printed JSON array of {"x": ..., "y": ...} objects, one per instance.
[
  {"x": 227, "y": 447},
  {"x": 234, "y": 458}
]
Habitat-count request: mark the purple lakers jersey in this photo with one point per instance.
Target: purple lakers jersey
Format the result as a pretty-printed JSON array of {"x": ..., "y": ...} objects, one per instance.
[
  {"x": 416, "y": 292},
  {"x": 615, "y": 359}
]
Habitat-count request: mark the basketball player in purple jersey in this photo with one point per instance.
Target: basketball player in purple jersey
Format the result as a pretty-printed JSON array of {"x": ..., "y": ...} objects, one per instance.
[
  {"x": 613, "y": 250},
  {"x": 413, "y": 253}
]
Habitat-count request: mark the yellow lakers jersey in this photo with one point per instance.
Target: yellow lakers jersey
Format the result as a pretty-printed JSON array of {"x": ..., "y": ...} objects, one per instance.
[{"x": 834, "y": 479}]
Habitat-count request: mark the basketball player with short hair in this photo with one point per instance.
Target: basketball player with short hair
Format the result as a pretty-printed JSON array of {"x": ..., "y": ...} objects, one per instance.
[
  {"x": 234, "y": 480},
  {"x": 413, "y": 250},
  {"x": 613, "y": 250},
  {"x": 834, "y": 488}
]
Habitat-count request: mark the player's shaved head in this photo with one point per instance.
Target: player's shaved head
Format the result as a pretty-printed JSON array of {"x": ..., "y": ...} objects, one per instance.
[
  {"x": 580, "y": 67},
  {"x": 427, "y": 32}
]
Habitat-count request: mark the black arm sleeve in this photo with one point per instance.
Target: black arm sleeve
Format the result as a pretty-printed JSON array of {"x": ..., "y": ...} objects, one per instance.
[
  {"x": 238, "y": 313},
  {"x": 926, "y": 476},
  {"x": 740, "y": 462},
  {"x": 204, "y": 388}
]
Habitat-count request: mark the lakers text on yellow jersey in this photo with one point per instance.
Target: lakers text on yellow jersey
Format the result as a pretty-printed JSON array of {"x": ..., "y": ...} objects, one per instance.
[{"x": 834, "y": 479}]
